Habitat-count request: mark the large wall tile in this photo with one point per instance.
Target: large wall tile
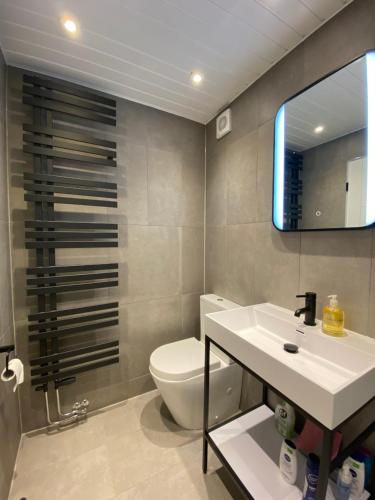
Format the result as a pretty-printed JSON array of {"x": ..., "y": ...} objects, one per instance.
[
  {"x": 172, "y": 133},
  {"x": 239, "y": 267},
  {"x": 265, "y": 172},
  {"x": 244, "y": 113},
  {"x": 281, "y": 82},
  {"x": 152, "y": 258},
  {"x": 216, "y": 190},
  {"x": 190, "y": 310},
  {"x": 371, "y": 306},
  {"x": 6, "y": 313},
  {"x": 339, "y": 262},
  {"x": 193, "y": 186},
  {"x": 132, "y": 184},
  {"x": 241, "y": 172},
  {"x": 176, "y": 187},
  {"x": 132, "y": 121},
  {"x": 165, "y": 187},
  {"x": 3, "y": 166},
  {"x": 215, "y": 261},
  {"x": 144, "y": 326},
  {"x": 276, "y": 268},
  {"x": 192, "y": 259}
]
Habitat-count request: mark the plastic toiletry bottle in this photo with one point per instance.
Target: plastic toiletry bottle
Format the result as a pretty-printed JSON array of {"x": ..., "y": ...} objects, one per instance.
[
  {"x": 285, "y": 419},
  {"x": 333, "y": 318},
  {"x": 344, "y": 483},
  {"x": 364, "y": 455},
  {"x": 311, "y": 477},
  {"x": 357, "y": 469},
  {"x": 288, "y": 461}
]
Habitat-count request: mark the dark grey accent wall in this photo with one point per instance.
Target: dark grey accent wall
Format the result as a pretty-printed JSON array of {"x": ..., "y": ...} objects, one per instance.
[
  {"x": 324, "y": 178},
  {"x": 249, "y": 261},
  {"x": 10, "y": 430},
  {"x": 160, "y": 178}
]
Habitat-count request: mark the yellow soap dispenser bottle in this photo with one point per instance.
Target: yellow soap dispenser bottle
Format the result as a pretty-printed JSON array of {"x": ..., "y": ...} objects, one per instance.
[{"x": 333, "y": 318}]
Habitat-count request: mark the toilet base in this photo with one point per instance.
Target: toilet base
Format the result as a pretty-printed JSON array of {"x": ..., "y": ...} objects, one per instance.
[{"x": 184, "y": 398}]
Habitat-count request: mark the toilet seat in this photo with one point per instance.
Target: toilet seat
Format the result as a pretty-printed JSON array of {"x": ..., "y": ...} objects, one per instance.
[{"x": 181, "y": 360}]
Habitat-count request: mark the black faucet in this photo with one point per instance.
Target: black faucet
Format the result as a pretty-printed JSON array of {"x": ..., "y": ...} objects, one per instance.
[{"x": 309, "y": 309}]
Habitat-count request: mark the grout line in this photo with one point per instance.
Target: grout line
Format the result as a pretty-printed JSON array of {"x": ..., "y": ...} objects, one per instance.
[
  {"x": 147, "y": 148},
  {"x": 10, "y": 227},
  {"x": 15, "y": 463},
  {"x": 205, "y": 210},
  {"x": 2, "y": 50},
  {"x": 11, "y": 281},
  {"x": 180, "y": 233},
  {"x": 299, "y": 262},
  {"x": 368, "y": 321}
]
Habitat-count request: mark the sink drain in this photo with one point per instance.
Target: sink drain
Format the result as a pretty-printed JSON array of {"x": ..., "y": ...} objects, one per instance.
[{"x": 292, "y": 348}]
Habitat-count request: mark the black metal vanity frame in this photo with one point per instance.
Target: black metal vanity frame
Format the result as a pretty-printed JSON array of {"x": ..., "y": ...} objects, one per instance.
[{"x": 326, "y": 465}]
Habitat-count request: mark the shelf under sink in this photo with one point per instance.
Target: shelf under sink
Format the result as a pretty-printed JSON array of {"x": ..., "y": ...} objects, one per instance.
[{"x": 251, "y": 446}]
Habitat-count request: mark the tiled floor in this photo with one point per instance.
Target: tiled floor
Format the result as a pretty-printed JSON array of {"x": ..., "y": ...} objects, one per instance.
[{"x": 134, "y": 451}]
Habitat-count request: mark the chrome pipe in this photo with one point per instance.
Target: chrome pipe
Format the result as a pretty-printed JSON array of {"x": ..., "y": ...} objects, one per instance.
[
  {"x": 58, "y": 423},
  {"x": 76, "y": 410}
]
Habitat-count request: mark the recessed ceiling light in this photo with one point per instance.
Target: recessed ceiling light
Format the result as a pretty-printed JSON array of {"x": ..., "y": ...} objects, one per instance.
[
  {"x": 319, "y": 129},
  {"x": 70, "y": 25},
  {"x": 196, "y": 78}
]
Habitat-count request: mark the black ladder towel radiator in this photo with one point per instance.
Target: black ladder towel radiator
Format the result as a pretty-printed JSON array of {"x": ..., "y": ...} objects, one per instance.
[{"x": 67, "y": 164}]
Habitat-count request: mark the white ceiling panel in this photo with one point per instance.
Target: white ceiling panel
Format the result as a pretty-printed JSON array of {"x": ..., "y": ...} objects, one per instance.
[
  {"x": 324, "y": 8},
  {"x": 145, "y": 50},
  {"x": 295, "y": 14}
]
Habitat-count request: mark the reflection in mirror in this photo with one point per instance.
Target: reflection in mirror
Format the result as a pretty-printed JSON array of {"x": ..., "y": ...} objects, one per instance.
[{"x": 324, "y": 171}]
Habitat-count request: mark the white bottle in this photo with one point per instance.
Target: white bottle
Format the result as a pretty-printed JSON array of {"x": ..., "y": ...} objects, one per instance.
[
  {"x": 288, "y": 461},
  {"x": 357, "y": 470},
  {"x": 344, "y": 483}
]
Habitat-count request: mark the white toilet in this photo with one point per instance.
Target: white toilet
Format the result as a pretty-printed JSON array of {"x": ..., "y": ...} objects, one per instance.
[{"x": 177, "y": 370}]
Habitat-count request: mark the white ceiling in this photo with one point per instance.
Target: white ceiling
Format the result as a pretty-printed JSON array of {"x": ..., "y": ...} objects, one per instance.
[
  {"x": 145, "y": 50},
  {"x": 336, "y": 103}
]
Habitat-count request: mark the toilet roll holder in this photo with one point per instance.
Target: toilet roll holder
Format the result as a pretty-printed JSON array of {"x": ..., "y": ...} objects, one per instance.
[{"x": 7, "y": 349}]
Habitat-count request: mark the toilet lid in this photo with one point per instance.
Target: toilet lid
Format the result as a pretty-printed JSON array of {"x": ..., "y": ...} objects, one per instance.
[{"x": 180, "y": 360}]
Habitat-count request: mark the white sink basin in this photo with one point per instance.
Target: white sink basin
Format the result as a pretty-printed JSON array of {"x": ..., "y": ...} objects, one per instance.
[{"x": 329, "y": 377}]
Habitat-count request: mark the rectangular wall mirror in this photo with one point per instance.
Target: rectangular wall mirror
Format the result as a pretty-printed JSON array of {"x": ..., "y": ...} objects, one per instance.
[{"x": 324, "y": 153}]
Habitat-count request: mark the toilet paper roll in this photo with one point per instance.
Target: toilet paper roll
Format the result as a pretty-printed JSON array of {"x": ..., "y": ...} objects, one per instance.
[{"x": 16, "y": 366}]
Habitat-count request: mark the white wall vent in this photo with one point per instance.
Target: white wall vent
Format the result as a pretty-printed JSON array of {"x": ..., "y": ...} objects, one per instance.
[{"x": 223, "y": 123}]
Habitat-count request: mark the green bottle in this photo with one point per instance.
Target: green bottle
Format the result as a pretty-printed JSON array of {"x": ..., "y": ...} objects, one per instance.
[{"x": 285, "y": 419}]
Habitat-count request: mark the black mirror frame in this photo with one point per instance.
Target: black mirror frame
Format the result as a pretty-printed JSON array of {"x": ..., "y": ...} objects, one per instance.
[{"x": 324, "y": 77}]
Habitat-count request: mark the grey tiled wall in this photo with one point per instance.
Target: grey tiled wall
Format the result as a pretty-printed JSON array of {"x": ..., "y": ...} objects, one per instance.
[
  {"x": 249, "y": 261},
  {"x": 10, "y": 429},
  {"x": 160, "y": 178}
]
